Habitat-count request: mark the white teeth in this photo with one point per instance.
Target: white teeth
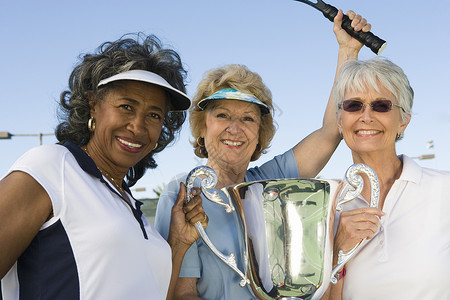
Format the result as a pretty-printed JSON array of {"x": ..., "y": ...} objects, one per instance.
[
  {"x": 367, "y": 131},
  {"x": 131, "y": 145},
  {"x": 230, "y": 143}
]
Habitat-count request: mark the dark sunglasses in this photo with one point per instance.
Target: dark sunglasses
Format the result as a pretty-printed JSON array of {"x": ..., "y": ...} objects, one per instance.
[{"x": 377, "y": 105}]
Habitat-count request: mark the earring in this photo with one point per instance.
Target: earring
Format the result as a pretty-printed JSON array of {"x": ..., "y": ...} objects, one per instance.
[
  {"x": 91, "y": 124},
  {"x": 155, "y": 146},
  {"x": 399, "y": 136},
  {"x": 199, "y": 139}
]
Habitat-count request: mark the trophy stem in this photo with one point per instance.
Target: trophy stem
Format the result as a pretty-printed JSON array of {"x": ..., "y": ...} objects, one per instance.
[
  {"x": 228, "y": 260},
  {"x": 208, "y": 183}
]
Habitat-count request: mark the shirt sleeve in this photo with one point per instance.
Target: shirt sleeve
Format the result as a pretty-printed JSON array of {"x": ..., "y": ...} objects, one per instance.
[
  {"x": 164, "y": 207},
  {"x": 281, "y": 166},
  {"x": 191, "y": 265},
  {"x": 191, "y": 262},
  {"x": 46, "y": 165}
]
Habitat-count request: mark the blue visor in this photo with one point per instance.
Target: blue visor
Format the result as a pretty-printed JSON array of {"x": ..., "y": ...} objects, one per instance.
[{"x": 232, "y": 94}]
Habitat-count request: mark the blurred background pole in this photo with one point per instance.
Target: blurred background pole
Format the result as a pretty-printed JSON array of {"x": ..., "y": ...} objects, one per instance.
[
  {"x": 424, "y": 156},
  {"x": 5, "y": 135}
]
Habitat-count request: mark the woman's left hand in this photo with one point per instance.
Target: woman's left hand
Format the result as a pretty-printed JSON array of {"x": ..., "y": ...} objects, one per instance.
[
  {"x": 354, "y": 226},
  {"x": 184, "y": 216}
]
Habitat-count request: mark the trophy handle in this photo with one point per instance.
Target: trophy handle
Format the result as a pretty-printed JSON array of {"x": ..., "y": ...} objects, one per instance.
[
  {"x": 349, "y": 192},
  {"x": 207, "y": 185}
]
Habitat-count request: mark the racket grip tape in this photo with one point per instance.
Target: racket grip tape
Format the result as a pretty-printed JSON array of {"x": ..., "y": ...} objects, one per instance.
[{"x": 375, "y": 43}]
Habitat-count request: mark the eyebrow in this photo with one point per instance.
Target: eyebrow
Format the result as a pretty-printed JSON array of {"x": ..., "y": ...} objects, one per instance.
[
  {"x": 134, "y": 101},
  {"x": 248, "y": 112}
]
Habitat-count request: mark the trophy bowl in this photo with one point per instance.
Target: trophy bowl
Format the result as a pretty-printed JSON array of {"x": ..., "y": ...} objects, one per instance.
[{"x": 287, "y": 230}]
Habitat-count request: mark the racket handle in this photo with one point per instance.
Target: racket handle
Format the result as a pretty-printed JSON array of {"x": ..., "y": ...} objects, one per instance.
[{"x": 375, "y": 44}]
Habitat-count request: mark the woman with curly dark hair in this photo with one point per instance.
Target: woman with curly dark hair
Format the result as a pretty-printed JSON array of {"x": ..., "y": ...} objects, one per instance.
[{"x": 69, "y": 226}]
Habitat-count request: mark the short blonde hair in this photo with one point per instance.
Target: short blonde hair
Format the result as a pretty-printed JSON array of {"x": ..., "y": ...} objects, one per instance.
[{"x": 237, "y": 77}]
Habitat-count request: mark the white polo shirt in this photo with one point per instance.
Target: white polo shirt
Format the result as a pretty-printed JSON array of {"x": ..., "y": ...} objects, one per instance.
[
  {"x": 409, "y": 258},
  {"x": 96, "y": 246}
]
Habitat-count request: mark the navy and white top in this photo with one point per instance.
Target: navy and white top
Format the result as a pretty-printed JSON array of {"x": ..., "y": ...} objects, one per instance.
[{"x": 95, "y": 246}]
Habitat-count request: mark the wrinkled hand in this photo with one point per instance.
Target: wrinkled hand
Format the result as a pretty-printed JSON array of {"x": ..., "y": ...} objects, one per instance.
[
  {"x": 356, "y": 225},
  {"x": 344, "y": 39},
  {"x": 184, "y": 216}
]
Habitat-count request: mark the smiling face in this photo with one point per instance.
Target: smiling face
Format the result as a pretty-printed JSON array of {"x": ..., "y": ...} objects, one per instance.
[
  {"x": 128, "y": 123},
  {"x": 368, "y": 131},
  {"x": 231, "y": 133}
]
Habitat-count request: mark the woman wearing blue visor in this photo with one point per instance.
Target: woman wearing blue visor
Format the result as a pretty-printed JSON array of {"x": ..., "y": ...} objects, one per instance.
[{"x": 232, "y": 124}]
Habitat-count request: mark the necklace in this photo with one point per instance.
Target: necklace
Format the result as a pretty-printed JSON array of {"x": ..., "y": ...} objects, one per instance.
[
  {"x": 104, "y": 173},
  {"x": 112, "y": 180}
]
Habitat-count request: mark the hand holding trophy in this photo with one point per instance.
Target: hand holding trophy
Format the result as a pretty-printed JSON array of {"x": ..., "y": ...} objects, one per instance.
[{"x": 287, "y": 229}]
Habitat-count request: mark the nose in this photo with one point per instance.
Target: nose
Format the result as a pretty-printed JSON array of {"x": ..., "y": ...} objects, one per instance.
[
  {"x": 367, "y": 112},
  {"x": 136, "y": 125},
  {"x": 233, "y": 126}
]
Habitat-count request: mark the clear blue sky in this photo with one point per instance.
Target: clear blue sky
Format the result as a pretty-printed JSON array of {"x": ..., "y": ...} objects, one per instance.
[{"x": 288, "y": 43}]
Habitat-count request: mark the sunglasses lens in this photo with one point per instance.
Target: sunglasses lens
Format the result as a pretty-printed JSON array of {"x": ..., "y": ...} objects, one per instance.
[
  {"x": 378, "y": 105},
  {"x": 381, "y": 105},
  {"x": 352, "y": 105}
]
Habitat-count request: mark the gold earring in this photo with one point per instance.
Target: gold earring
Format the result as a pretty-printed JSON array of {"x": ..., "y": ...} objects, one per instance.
[
  {"x": 91, "y": 124},
  {"x": 198, "y": 141},
  {"x": 155, "y": 146}
]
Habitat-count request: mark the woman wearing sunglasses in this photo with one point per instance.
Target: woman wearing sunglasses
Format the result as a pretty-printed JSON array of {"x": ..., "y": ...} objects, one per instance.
[
  {"x": 408, "y": 256},
  {"x": 232, "y": 124}
]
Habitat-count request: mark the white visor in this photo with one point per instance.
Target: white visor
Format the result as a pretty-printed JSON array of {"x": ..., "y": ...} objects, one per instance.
[{"x": 179, "y": 100}]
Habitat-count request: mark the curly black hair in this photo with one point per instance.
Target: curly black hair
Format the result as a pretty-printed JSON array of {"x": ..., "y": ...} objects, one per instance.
[{"x": 130, "y": 52}]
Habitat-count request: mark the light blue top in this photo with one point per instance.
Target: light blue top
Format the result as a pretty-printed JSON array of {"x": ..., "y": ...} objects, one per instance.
[{"x": 216, "y": 279}]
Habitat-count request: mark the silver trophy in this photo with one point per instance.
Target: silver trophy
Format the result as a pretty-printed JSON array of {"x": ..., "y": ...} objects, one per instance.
[{"x": 287, "y": 229}]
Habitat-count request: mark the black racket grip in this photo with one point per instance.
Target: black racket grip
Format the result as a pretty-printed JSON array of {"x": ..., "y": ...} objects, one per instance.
[{"x": 375, "y": 44}]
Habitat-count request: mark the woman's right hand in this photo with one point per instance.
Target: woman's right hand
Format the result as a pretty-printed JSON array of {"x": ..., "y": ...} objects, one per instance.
[
  {"x": 184, "y": 217},
  {"x": 183, "y": 233},
  {"x": 354, "y": 226}
]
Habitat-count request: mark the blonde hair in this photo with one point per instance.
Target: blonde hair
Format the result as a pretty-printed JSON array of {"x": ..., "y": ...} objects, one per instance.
[{"x": 237, "y": 77}]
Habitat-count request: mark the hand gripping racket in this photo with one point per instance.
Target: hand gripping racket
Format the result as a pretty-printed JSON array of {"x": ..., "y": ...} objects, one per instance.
[{"x": 375, "y": 44}]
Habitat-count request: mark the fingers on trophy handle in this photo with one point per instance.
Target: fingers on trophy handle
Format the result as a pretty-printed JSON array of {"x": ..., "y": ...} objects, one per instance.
[
  {"x": 351, "y": 190},
  {"x": 208, "y": 183}
]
